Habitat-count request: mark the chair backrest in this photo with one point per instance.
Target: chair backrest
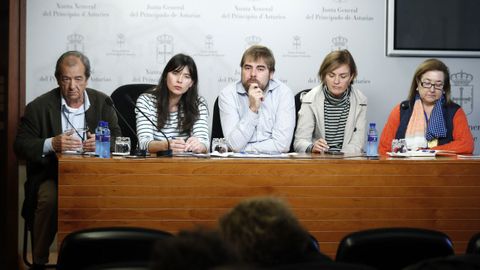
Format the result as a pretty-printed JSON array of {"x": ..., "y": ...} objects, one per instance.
[
  {"x": 217, "y": 131},
  {"x": 474, "y": 244},
  {"x": 120, "y": 98},
  {"x": 298, "y": 105},
  {"x": 97, "y": 246},
  {"x": 122, "y": 266},
  {"x": 393, "y": 248}
]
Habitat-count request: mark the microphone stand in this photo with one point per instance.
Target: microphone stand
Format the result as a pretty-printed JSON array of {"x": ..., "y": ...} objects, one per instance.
[
  {"x": 164, "y": 153},
  {"x": 138, "y": 151}
]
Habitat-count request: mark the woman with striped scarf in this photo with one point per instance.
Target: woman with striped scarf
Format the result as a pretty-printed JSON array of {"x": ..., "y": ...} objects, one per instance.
[{"x": 333, "y": 114}]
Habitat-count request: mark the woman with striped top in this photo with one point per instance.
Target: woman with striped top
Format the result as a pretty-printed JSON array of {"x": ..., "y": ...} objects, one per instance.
[
  {"x": 333, "y": 115},
  {"x": 177, "y": 109}
]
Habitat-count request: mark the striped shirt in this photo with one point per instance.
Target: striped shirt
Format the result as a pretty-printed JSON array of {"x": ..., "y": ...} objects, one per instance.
[
  {"x": 336, "y": 114},
  {"x": 147, "y": 132}
]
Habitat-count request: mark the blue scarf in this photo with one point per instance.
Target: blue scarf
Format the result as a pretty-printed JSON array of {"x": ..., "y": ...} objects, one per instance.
[{"x": 436, "y": 124}]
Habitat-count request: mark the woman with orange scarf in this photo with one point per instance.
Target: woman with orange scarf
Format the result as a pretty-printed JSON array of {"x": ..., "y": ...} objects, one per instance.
[{"x": 429, "y": 118}]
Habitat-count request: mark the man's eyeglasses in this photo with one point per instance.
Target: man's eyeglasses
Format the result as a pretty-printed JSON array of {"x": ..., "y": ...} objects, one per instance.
[{"x": 437, "y": 86}]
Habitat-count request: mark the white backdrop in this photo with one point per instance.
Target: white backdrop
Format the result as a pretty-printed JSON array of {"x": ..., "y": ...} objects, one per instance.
[{"x": 130, "y": 42}]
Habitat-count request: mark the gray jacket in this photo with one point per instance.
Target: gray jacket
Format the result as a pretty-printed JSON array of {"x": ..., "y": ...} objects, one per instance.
[{"x": 311, "y": 127}]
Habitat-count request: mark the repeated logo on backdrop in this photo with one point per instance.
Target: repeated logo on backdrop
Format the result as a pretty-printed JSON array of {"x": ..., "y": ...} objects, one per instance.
[
  {"x": 209, "y": 48},
  {"x": 252, "y": 40},
  {"x": 339, "y": 43},
  {"x": 137, "y": 38},
  {"x": 120, "y": 47},
  {"x": 75, "y": 43},
  {"x": 295, "y": 49},
  {"x": 462, "y": 90},
  {"x": 120, "y": 40},
  {"x": 165, "y": 48}
]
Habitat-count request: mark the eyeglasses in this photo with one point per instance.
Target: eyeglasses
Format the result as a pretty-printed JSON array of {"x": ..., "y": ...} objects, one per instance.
[{"x": 437, "y": 86}]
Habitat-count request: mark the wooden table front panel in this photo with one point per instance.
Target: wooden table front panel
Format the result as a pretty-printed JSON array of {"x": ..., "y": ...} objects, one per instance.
[{"x": 330, "y": 197}]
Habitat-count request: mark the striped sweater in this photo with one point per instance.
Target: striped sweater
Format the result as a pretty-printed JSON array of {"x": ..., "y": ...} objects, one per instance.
[{"x": 147, "y": 132}]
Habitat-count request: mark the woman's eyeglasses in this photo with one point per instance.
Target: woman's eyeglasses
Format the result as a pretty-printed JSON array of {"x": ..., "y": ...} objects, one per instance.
[{"x": 437, "y": 86}]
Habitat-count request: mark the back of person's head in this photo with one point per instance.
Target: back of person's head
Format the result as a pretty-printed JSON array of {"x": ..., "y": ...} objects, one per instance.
[
  {"x": 426, "y": 66},
  {"x": 197, "y": 249},
  {"x": 265, "y": 232},
  {"x": 334, "y": 60},
  {"x": 256, "y": 52}
]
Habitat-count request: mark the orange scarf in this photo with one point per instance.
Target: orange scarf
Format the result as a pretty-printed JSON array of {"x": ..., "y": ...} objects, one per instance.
[{"x": 415, "y": 134}]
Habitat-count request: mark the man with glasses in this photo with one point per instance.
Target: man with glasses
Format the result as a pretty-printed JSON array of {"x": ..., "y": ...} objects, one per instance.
[
  {"x": 60, "y": 120},
  {"x": 429, "y": 118}
]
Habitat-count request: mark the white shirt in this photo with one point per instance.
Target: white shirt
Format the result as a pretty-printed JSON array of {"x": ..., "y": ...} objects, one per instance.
[
  {"x": 76, "y": 118},
  {"x": 269, "y": 130}
]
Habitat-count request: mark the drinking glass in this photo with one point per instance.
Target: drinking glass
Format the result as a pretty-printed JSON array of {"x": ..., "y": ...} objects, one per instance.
[
  {"x": 219, "y": 145},
  {"x": 122, "y": 145},
  {"x": 399, "y": 146}
]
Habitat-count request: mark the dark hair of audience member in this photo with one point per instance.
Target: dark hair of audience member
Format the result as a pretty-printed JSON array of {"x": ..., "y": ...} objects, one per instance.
[
  {"x": 196, "y": 249},
  {"x": 265, "y": 233}
]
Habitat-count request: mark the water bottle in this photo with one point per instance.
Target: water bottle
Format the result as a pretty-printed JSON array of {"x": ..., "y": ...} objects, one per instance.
[
  {"x": 98, "y": 138},
  {"x": 105, "y": 142},
  {"x": 372, "y": 141}
]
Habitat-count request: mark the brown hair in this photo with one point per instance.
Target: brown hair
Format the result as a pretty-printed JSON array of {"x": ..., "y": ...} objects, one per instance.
[
  {"x": 264, "y": 231},
  {"x": 335, "y": 59},
  {"x": 257, "y": 52},
  {"x": 424, "y": 67}
]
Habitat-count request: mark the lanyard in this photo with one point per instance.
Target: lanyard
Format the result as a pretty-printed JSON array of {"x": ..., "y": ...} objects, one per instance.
[{"x": 84, "y": 123}]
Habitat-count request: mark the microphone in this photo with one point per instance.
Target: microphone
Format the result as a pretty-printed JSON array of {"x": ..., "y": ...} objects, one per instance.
[
  {"x": 138, "y": 151},
  {"x": 165, "y": 153}
]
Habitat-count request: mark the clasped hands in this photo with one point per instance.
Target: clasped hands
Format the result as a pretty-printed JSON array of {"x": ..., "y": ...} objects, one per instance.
[
  {"x": 192, "y": 144},
  {"x": 67, "y": 141}
]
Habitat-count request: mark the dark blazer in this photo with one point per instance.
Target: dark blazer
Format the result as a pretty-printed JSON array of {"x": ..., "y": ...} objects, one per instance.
[{"x": 42, "y": 120}]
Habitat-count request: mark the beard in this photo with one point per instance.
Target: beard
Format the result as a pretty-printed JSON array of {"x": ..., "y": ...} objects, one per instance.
[{"x": 247, "y": 84}]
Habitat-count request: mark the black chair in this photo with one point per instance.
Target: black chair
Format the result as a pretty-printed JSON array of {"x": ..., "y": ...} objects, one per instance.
[
  {"x": 113, "y": 245},
  {"x": 393, "y": 248},
  {"x": 122, "y": 97},
  {"x": 122, "y": 266},
  {"x": 473, "y": 246},
  {"x": 460, "y": 262},
  {"x": 217, "y": 131},
  {"x": 319, "y": 265},
  {"x": 298, "y": 105}
]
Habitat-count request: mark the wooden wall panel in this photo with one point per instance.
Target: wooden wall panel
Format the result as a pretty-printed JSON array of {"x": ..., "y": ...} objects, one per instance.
[{"x": 330, "y": 197}]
